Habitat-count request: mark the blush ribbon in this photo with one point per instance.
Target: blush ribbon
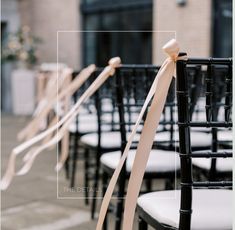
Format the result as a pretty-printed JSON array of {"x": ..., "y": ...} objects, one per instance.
[
  {"x": 158, "y": 92},
  {"x": 64, "y": 122}
]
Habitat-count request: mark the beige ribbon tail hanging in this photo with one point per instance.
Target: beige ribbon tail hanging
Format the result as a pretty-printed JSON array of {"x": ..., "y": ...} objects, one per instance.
[
  {"x": 41, "y": 79},
  {"x": 45, "y": 107},
  {"x": 10, "y": 171},
  {"x": 113, "y": 181},
  {"x": 22, "y": 135},
  {"x": 29, "y": 131},
  {"x": 159, "y": 87},
  {"x": 62, "y": 82},
  {"x": 44, "y": 141},
  {"x": 108, "y": 71},
  {"x": 65, "y": 139},
  {"x": 77, "y": 82},
  {"x": 148, "y": 133}
]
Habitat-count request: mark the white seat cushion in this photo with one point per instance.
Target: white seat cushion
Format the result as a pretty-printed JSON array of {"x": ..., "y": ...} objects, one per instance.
[
  {"x": 83, "y": 127},
  {"x": 198, "y": 139},
  {"x": 159, "y": 160},
  {"x": 222, "y": 164},
  {"x": 212, "y": 209},
  {"x": 108, "y": 139},
  {"x": 225, "y": 135},
  {"x": 113, "y": 139},
  {"x": 86, "y": 123}
]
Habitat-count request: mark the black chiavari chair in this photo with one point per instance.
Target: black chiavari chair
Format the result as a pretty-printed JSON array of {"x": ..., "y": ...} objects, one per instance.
[
  {"x": 199, "y": 204},
  {"x": 132, "y": 86},
  {"x": 221, "y": 138}
]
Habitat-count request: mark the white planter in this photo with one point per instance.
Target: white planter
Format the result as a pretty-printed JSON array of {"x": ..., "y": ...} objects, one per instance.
[{"x": 23, "y": 91}]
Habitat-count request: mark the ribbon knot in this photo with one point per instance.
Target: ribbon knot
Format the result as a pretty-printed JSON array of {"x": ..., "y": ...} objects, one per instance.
[
  {"x": 158, "y": 93},
  {"x": 172, "y": 49}
]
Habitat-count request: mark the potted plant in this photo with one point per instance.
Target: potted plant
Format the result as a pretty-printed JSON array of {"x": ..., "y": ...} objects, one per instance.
[{"x": 21, "y": 49}]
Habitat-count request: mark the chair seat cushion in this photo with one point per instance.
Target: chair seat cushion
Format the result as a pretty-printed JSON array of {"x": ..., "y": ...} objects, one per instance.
[
  {"x": 198, "y": 139},
  {"x": 108, "y": 139},
  {"x": 225, "y": 135},
  {"x": 83, "y": 127},
  {"x": 113, "y": 139},
  {"x": 222, "y": 164},
  {"x": 212, "y": 208},
  {"x": 159, "y": 160},
  {"x": 87, "y": 123}
]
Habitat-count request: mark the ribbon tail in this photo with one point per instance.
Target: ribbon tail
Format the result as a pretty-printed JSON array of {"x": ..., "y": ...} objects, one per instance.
[
  {"x": 9, "y": 174},
  {"x": 145, "y": 143},
  {"x": 28, "y": 165},
  {"x": 113, "y": 181}
]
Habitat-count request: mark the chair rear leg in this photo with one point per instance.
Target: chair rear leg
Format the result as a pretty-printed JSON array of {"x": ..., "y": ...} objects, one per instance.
[
  {"x": 95, "y": 186},
  {"x": 120, "y": 201},
  {"x": 66, "y": 168},
  {"x": 148, "y": 183},
  {"x": 104, "y": 188},
  {"x": 142, "y": 224},
  {"x": 169, "y": 184},
  {"x": 67, "y": 162},
  {"x": 86, "y": 175},
  {"x": 74, "y": 162}
]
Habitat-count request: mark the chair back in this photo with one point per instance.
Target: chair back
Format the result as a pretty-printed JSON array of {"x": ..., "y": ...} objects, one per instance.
[{"x": 215, "y": 99}]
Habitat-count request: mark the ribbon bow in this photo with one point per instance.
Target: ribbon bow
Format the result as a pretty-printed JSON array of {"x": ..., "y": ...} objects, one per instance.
[{"x": 159, "y": 90}]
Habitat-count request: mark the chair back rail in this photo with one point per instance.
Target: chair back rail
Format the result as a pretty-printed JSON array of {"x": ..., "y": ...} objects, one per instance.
[{"x": 217, "y": 93}]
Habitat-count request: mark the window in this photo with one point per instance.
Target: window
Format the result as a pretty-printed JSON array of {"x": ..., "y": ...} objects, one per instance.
[
  {"x": 102, "y": 15},
  {"x": 222, "y": 45}
]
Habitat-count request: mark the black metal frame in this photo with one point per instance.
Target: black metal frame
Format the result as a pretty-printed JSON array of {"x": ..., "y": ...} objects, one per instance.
[{"x": 187, "y": 183}]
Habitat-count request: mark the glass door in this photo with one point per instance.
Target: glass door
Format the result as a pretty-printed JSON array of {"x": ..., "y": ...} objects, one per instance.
[{"x": 128, "y": 31}]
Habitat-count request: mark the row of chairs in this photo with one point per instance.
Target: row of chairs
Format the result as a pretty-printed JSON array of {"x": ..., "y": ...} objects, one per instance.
[{"x": 193, "y": 141}]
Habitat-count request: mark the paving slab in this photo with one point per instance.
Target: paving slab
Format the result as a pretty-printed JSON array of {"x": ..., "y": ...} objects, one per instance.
[
  {"x": 43, "y": 216},
  {"x": 30, "y": 203}
]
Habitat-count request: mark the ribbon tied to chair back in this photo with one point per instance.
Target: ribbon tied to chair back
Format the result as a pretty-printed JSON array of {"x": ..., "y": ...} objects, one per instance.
[
  {"x": 61, "y": 127},
  {"x": 158, "y": 92}
]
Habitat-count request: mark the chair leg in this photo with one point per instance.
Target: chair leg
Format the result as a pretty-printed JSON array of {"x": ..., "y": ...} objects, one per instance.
[
  {"x": 86, "y": 174},
  {"x": 148, "y": 183},
  {"x": 74, "y": 163},
  {"x": 67, "y": 162},
  {"x": 104, "y": 188},
  {"x": 169, "y": 184},
  {"x": 142, "y": 224},
  {"x": 66, "y": 167},
  {"x": 95, "y": 186},
  {"x": 120, "y": 201}
]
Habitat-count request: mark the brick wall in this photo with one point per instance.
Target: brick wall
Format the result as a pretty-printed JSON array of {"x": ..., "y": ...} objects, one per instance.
[
  {"x": 45, "y": 18},
  {"x": 192, "y": 24}
]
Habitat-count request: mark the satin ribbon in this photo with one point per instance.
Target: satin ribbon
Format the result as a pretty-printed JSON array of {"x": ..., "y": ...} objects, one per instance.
[
  {"x": 108, "y": 71},
  {"x": 28, "y": 155},
  {"x": 46, "y": 135},
  {"x": 65, "y": 121},
  {"x": 159, "y": 90},
  {"x": 49, "y": 102},
  {"x": 65, "y": 139},
  {"x": 44, "y": 106}
]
